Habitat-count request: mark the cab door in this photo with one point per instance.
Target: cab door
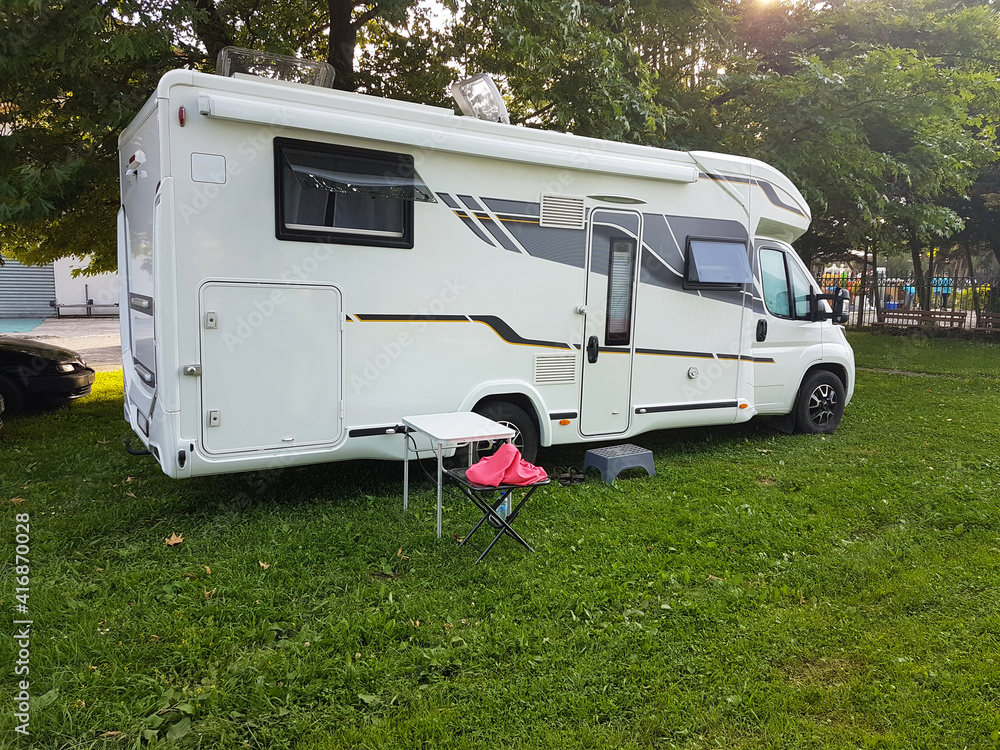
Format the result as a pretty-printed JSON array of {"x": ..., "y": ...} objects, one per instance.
[
  {"x": 612, "y": 261},
  {"x": 786, "y": 342}
]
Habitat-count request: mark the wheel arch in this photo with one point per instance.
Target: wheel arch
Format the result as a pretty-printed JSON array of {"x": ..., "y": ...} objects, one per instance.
[
  {"x": 834, "y": 368},
  {"x": 518, "y": 393}
]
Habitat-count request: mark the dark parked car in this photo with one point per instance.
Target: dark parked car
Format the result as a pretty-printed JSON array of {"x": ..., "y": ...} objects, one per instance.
[{"x": 33, "y": 373}]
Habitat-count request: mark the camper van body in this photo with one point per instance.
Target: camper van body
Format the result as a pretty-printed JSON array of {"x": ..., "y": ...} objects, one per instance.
[{"x": 596, "y": 287}]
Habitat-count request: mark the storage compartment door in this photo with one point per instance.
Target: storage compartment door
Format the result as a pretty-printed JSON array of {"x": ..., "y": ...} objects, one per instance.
[{"x": 272, "y": 366}]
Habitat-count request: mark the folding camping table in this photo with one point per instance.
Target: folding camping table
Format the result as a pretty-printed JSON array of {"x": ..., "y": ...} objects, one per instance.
[{"x": 450, "y": 430}]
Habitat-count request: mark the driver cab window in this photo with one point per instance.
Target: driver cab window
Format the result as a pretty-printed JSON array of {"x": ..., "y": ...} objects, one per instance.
[
  {"x": 774, "y": 279},
  {"x": 786, "y": 286}
]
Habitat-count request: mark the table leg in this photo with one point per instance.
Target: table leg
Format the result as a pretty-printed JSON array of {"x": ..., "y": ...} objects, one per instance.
[
  {"x": 439, "y": 489},
  {"x": 406, "y": 470}
]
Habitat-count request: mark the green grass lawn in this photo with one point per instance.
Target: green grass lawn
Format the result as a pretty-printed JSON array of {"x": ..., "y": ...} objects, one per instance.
[{"x": 762, "y": 591}]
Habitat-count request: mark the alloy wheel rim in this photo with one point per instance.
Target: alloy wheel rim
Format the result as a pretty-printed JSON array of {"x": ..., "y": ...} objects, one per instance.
[{"x": 823, "y": 405}]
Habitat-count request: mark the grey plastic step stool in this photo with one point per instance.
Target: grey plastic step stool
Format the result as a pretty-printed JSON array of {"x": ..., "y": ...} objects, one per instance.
[{"x": 614, "y": 459}]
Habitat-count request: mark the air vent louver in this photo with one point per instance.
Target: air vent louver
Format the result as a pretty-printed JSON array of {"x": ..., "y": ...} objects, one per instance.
[
  {"x": 563, "y": 212},
  {"x": 555, "y": 369}
]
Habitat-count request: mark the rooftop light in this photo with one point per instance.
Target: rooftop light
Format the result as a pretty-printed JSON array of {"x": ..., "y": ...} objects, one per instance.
[{"x": 479, "y": 97}]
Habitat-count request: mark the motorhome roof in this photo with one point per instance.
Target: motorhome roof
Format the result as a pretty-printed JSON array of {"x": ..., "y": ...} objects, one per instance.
[{"x": 263, "y": 101}]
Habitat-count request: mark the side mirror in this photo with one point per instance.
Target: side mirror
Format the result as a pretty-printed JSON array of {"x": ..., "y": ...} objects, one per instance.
[
  {"x": 841, "y": 306},
  {"x": 836, "y": 308}
]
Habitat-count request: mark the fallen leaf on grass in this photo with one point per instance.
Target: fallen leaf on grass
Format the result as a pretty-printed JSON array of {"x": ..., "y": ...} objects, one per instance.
[
  {"x": 415, "y": 624},
  {"x": 109, "y": 735},
  {"x": 129, "y": 479},
  {"x": 208, "y": 570},
  {"x": 131, "y": 494},
  {"x": 263, "y": 564},
  {"x": 400, "y": 554},
  {"x": 192, "y": 576},
  {"x": 17, "y": 500},
  {"x": 714, "y": 578},
  {"x": 173, "y": 540},
  {"x": 209, "y": 594}
]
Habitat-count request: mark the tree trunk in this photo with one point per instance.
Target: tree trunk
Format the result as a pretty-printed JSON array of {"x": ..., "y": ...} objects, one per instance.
[
  {"x": 211, "y": 28},
  {"x": 918, "y": 271},
  {"x": 862, "y": 293},
  {"x": 875, "y": 290},
  {"x": 972, "y": 281},
  {"x": 343, "y": 40}
]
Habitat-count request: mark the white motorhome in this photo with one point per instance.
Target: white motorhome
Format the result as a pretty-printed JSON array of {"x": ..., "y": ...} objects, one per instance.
[{"x": 305, "y": 267}]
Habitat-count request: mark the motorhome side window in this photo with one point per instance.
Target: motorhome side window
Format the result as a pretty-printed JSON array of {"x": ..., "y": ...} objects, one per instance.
[
  {"x": 786, "y": 286},
  {"x": 345, "y": 195},
  {"x": 716, "y": 264},
  {"x": 621, "y": 270}
]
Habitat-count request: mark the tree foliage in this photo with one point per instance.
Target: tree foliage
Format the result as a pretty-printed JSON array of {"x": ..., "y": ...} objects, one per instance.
[{"x": 883, "y": 113}]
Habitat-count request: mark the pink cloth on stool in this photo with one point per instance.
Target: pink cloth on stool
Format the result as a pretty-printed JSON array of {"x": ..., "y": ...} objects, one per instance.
[{"x": 505, "y": 467}]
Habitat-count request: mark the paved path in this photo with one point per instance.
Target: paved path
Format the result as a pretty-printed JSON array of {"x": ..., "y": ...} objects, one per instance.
[{"x": 98, "y": 339}]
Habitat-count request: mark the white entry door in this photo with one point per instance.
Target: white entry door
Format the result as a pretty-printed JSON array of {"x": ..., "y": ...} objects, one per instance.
[
  {"x": 612, "y": 261},
  {"x": 272, "y": 366}
]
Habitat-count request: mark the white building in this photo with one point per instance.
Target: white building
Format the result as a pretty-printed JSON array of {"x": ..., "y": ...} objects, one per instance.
[{"x": 31, "y": 291}]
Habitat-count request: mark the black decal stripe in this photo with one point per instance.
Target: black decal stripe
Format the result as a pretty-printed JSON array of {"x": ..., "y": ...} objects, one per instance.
[
  {"x": 507, "y": 333},
  {"x": 475, "y": 229},
  {"x": 556, "y": 415},
  {"x": 503, "y": 205},
  {"x": 766, "y": 187},
  {"x": 609, "y": 350},
  {"x": 498, "y": 326},
  {"x": 763, "y": 360},
  {"x": 772, "y": 195},
  {"x": 730, "y": 357},
  {"x": 471, "y": 202},
  {"x": 364, "y": 318},
  {"x": 672, "y": 353},
  {"x": 498, "y": 233},
  {"x": 448, "y": 200},
  {"x": 686, "y": 407}
]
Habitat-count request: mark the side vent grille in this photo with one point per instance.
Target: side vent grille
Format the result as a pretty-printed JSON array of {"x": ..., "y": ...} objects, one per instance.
[
  {"x": 563, "y": 212},
  {"x": 555, "y": 369}
]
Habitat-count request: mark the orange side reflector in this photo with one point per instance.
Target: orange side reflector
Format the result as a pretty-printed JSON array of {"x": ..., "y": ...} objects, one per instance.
[
  {"x": 744, "y": 406},
  {"x": 563, "y": 421}
]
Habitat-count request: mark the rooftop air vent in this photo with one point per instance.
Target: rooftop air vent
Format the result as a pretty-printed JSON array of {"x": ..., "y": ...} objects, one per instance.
[{"x": 236, "y": 62}]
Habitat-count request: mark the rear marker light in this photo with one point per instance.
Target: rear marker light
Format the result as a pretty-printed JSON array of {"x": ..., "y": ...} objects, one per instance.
[{"x": 181, "y": 116}]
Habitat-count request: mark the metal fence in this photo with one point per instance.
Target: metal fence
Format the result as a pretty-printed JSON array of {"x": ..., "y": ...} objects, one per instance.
[{"x": 872, "y": 295}]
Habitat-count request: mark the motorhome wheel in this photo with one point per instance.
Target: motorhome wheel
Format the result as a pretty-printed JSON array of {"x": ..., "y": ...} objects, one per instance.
[
  {"x": 504, "y": 412},
  {"x": 820, "y": 406}
]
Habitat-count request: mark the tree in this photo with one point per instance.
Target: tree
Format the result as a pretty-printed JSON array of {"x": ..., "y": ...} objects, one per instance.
[
  {"x": 74, "y": 73},
  {"x": 877, "y": 136},
  {"x": 71, "y": 77}
]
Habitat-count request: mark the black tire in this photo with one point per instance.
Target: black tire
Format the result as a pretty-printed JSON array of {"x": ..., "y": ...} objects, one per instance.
[
  {"x": 820, "y": 405},
  {"x": 526, "y": 440},
  {"x": 13, "y": 396}
]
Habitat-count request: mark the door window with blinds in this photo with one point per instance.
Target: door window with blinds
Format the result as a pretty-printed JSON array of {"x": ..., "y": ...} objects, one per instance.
[
  {"x": 351, "y": 196},
  {"x": 621, "y": 271}
]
